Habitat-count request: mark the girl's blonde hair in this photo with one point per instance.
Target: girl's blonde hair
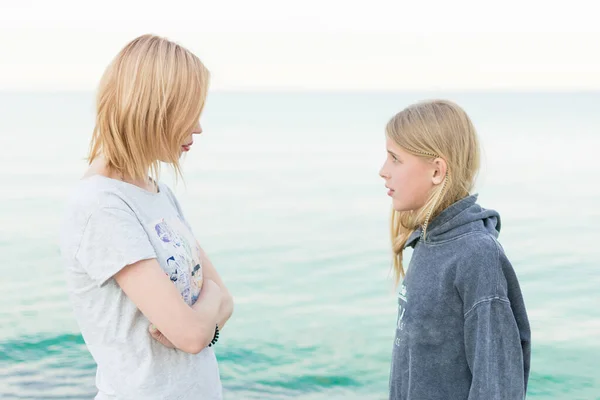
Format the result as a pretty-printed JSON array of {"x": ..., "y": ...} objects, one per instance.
[
  {"x": 433, "y": 129},
  {"x": 149, "y": 100}
]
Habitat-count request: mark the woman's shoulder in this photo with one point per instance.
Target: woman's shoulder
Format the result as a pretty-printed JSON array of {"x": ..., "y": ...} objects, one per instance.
[
  {"x": 92, "y": 193},
  {"x": 86, "y": 198},
  {"x": 90, "y": 196}
]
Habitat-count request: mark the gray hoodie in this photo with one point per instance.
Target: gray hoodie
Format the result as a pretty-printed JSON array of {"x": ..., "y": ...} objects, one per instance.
[{"x": 463, "y": 331}]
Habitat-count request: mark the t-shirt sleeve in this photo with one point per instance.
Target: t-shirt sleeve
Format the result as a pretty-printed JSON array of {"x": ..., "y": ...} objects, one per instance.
[{"x": 112, "y": 239}]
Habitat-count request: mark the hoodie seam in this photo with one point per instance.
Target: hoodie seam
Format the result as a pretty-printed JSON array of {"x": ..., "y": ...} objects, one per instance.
[
  {"x": 486, "y": 300},
  {"x": 496, "y": 296},
  {"x": 472, "y": 233},
  {"x": 498, "y": 266}
]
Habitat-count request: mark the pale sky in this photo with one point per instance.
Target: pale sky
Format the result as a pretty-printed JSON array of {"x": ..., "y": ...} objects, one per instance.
[{"x": 313, "y": 45}]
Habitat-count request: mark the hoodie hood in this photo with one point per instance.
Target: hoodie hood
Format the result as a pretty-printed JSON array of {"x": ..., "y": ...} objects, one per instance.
[{"x": 460, "y": 218}]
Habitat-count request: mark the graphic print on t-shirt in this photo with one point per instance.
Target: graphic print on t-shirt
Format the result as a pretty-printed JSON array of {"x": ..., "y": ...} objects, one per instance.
[{"x": 182, "y": 262}]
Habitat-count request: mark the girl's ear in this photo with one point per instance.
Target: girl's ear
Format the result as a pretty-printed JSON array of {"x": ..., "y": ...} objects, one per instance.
[{"x": 440, "y": 168}]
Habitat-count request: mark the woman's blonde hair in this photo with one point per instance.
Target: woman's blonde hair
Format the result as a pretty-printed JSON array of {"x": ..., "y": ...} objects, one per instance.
[
  {"x": 433, "y": 129},
  {"x": 149, "y": 100}
]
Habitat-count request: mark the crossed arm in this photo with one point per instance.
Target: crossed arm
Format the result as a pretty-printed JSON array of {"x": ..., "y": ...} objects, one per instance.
[
  {"x": 189, "y": 329},
  {"x": 226, "y": 306}
]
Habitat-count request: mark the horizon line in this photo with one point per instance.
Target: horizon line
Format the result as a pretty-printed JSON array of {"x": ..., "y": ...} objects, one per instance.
[{"x": 335, "y": 91}]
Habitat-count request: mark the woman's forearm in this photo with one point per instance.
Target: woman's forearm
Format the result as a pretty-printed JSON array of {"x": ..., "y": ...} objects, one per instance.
[
  {"x": 210, "y": 272},
  {"x": 208, "y": 306},
  {"x": 225, "y": 310}
]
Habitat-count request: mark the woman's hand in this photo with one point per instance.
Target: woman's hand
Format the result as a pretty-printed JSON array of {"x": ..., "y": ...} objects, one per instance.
[
  {"x": 210, "y": 273},
  {"x": 208, "y": 286},
  {"x": 159, "y": 337},
  {"x": 189, "y": 329}
]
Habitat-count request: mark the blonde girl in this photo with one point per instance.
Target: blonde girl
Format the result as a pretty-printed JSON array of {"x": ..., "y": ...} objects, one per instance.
[{"x": 462, "y": 329}]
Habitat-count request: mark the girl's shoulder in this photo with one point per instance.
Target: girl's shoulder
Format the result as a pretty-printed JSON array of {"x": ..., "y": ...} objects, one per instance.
[{"x": 482, "y": 267}]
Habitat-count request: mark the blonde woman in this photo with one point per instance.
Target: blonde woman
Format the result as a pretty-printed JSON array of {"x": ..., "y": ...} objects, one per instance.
[
  {"x": 462, "y": 329},
  {"x": 147, "y": 299}
]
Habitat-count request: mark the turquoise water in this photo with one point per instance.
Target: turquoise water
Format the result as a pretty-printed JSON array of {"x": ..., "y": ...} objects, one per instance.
[{"x": 283, "y": 192}]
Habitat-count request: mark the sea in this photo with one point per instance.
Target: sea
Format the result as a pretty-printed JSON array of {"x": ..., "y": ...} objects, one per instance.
[{"x": 283, "y": 192}]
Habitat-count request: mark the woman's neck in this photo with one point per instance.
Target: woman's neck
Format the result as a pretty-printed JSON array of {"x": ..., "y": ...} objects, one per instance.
[{"x": 101, "y": 167}]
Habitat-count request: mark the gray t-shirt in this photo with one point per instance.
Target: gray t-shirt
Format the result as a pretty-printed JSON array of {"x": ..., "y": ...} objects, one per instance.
[{"x": 109, "y": 224}]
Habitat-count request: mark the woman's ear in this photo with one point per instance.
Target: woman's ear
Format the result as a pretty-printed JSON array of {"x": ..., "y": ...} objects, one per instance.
[{"x": 440, "y": 168}]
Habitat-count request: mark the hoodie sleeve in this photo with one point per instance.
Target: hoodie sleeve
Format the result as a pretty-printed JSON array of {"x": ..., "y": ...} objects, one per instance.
[
  {"x": 496, "y": 329},
  {"x": 494, "y": 352}
]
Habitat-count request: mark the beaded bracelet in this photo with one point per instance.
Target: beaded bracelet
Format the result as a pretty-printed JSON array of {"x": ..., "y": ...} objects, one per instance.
[{"x": 215, "y": 337}]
